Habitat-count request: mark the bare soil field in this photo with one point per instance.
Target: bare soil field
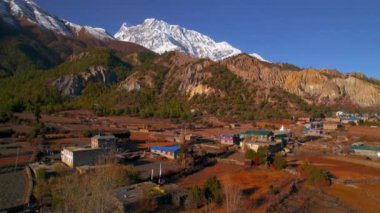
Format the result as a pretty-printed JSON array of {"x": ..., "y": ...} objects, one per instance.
[
  {"x": 343, "y": 169},
  {"x": 365, "y": 133},
  {"x": 254, "y": 182},
  {"x": 11, "y": 161},
  {"x": 361, "y": 197}
]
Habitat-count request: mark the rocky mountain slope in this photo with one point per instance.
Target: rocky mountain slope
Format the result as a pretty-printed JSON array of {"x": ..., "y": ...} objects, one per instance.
[
  {"x": 162, "y": 37},
  {"x": 33, "y": 38}
]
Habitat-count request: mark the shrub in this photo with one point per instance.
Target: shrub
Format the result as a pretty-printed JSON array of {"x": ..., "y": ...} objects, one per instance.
[
  {"x": 314, "y": 175},
  {"x": 262, "y": 153},
  {"x": 250, "y": 154},
  {"x": 279, "y": 161},
  {"x": 41, "y": 174},
  {"x": 212, "y": 190},
  {"x": 195, "y": 195}
]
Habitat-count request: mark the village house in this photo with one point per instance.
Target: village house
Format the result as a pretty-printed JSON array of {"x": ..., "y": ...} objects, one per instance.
[
  {"x": 369, "y": 151},
  {"x": 229, "y": 139},
  {"x": 352, "y": 119},
  {"x": 314, "y": 125},
  {"x": 273, "y": 147},
  {"x": 103, "y": 142},
  {"x": 257, "y": 135},
  {"x": 332, "y": 126},
  {"x": 333, "y": 120},
  {"x": 77, "y": 156},
  {"x": 170, "y": 152}
]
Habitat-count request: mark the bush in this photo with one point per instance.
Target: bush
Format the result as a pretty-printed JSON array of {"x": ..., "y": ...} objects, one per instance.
[
  {"x": 212, "y": 190},
  {"x": 41, "y": 174},
  {"x": 195, "y": 195},
  {"x": 279, "y": 161},
  {"x": 250, "y": 154},
  {"x": 314, "y": 175},
  {"x": 262, "y": 153}
]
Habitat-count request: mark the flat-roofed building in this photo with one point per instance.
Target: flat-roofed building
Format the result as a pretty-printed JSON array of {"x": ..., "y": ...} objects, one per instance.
[
  {"x": 257, "y": 135},
  {"x": 170, "y": 152},
  {"x": 106, "y": 142},
  {"x": 77, "y": 156},
  {"x": 332, "y": 126},
  {"x": 369, "y": 151},
  {"x": 273, "y": 147}
]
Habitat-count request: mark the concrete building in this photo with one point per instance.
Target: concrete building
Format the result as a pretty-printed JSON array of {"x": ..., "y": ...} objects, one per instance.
[
  {"x": 229, "y": 139},
  {"x": 273, "y": 147},
  {"x": 369, "y": 151},
  {"x": 103, "y": 142},
  {"x": 76, "y": 156},
  {"x": 333, "y": 120},
  {"x": 170, "y": 152},
  {"x": 354, "y": 119},
  {"x": 332, "y": 126},
  {"x": 257, "y": 135}
]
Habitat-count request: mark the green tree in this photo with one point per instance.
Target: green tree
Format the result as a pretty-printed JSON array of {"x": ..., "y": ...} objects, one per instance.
[
  {"x": 279, "y": 161},
  {"x": 212, "y": 190},
  {"x": 195, "y": 195}
]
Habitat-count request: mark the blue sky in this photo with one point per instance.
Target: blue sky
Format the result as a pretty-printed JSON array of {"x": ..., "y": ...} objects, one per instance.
[{"x": 341, "y": 34}]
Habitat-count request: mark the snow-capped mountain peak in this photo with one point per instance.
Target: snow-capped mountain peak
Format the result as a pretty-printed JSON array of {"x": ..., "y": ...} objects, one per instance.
[
  {"x": 13, "y": 11},
  {"x": 161, "y": 37}
]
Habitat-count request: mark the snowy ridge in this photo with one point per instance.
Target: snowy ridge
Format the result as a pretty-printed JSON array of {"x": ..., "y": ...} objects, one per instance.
[
  {"x": 98, "y": 33},
  {"x": 12, "y": 10},
  {"x": 255, "y": 55},
  {"x": 162, "y": 37}
]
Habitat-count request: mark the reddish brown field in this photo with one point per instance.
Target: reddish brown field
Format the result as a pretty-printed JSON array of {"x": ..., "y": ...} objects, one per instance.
[
  {"x": 218, "y": 170},
  {"x": 11, "y": 161},
  {"x": 343, "y": 169},
  {"x": 365, "y": 133},
  {"x": 361, "y": 197},
  {"x": 254, "y": 180}
]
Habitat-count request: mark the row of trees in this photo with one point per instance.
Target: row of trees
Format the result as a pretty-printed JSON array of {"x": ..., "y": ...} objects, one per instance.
[
  {"x": 262, "y": 157},
  {"x": 74, "y": 192}
]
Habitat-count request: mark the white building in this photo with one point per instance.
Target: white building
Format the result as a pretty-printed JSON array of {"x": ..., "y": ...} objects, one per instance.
[{"x": 76, "y": 156}]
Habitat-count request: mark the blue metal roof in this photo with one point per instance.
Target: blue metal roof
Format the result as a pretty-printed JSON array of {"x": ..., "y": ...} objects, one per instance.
[
  {"x": 352, "y": 119},
  {"x": 174, "y": 148}
]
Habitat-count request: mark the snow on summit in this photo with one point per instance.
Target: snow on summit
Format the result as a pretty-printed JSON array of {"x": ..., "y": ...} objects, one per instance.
[{"x": 162, "y": 37}]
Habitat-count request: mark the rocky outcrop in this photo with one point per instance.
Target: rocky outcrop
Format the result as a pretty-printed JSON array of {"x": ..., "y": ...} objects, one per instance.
[
  {"x": 199, "y": 89},
  {"x": 324, "y": 86},
  {"x": 72, "y": 85}
]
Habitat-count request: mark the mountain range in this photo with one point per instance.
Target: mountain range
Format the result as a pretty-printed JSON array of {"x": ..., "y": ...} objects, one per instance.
[
  {"x": 162, "y": 37},
  {"x": 157, "y": 69}
]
